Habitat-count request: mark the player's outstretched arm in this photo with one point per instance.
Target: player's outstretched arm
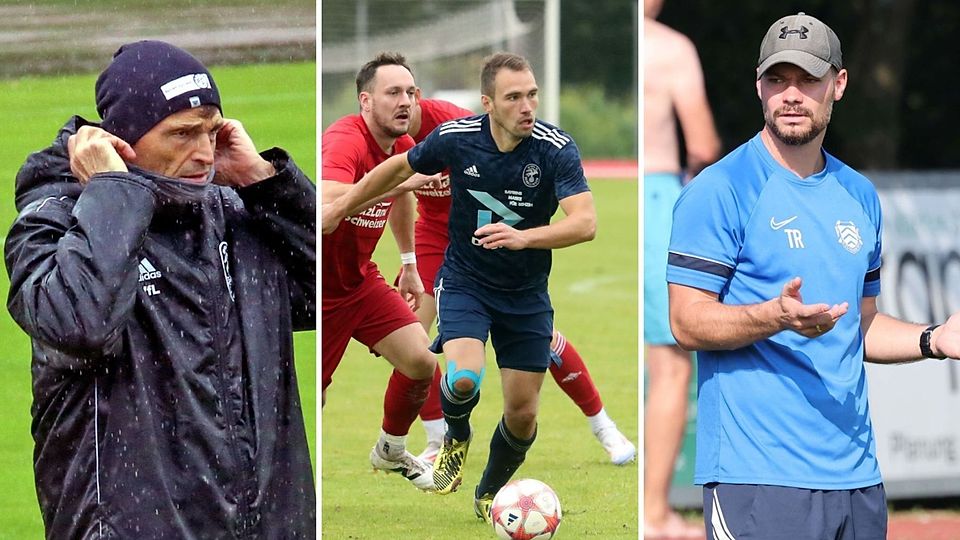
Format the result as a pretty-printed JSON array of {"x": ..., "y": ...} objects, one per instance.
[
  {"x": 700, "y": 322},
  {"x": 578, "y": 225},
  {"x": 332, "y": 190},
  {"x": 891, "y": 341},
  {"x": 376, "y": 183}
]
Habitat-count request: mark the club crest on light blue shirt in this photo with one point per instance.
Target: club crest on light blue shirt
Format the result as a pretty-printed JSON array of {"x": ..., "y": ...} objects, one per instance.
[{"x": 849, "y": 236}]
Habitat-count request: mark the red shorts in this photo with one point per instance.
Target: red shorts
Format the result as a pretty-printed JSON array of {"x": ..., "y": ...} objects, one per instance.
[{"x": 374, "y": 311}]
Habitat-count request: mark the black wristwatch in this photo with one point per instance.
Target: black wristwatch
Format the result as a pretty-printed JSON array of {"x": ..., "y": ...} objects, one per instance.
[{"x": 925, "y": 349}]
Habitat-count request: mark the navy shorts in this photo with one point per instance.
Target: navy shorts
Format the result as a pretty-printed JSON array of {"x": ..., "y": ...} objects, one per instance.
[
  {"x": 520, "y": 325},
  {"x": 739, "y": 511}
]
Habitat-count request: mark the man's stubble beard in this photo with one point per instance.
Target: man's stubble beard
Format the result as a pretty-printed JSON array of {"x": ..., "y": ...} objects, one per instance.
[
  {"x": 517, "y": 134},
  {"x": 384, "y": 124},
  {"x": 395, "y": 133},
  {"x": 817, "y": 127}
]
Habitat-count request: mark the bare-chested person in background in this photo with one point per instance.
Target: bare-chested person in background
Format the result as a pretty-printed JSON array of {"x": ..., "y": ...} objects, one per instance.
[{"x": 673, "y": 89}]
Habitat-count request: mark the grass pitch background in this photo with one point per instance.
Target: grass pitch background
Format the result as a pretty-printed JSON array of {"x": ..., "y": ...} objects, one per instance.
[
  {"x": 277, "y": 105},
  {"x": 594, "y": 291}
]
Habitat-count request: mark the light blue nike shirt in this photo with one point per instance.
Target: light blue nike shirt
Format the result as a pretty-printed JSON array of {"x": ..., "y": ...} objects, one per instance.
[{"x": 788, "y": 410}]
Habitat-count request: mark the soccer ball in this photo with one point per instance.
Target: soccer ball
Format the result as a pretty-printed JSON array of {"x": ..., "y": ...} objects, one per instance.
[{"x": 526, "y": 510}]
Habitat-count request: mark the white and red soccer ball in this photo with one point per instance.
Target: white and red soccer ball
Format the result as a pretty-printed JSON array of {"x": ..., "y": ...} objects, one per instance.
[{"x": 526, "y": 510}]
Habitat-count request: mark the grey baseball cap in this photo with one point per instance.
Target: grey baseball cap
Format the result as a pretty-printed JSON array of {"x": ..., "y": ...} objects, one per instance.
[{"x": 803, "y": 41}]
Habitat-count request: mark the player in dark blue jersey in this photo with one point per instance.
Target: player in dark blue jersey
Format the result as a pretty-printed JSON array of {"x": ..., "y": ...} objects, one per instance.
[{"x": 509, "y": 172}]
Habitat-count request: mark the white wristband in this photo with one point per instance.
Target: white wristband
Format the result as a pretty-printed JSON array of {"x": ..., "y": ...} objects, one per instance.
[{"x": 408, "y": 258}]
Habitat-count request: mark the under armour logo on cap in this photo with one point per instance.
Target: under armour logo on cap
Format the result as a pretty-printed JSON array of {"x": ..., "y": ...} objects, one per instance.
[
  {"x": 802, "y": 31},
  {"x": 803, "y": 41}
]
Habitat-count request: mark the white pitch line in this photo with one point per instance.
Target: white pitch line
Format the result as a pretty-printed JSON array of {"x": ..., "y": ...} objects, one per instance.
[{"x": 589, "y": 285}]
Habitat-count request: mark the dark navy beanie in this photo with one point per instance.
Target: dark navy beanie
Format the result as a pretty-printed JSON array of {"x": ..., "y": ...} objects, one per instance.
[{"x": 148, "y": 81}]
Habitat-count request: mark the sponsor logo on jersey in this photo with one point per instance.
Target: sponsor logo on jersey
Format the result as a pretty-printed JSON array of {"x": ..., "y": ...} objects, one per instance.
[
  {"x": 437, "y": 190},
  {"x": 849, "y": 236},
  {"x": 531, "y": 175},
  {"x": 374, "y": 217},
  {"x": 472, "y": 171},
  {"x": 493, "y": 206}
]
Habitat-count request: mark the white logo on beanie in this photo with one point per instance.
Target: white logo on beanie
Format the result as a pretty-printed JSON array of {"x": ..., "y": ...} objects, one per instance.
[
  {"x": 182, "y": 85},
  {"x": 201, "y": 80}
]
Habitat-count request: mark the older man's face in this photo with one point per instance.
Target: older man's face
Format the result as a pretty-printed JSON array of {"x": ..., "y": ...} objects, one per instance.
[{"x": 182, "y": 145}]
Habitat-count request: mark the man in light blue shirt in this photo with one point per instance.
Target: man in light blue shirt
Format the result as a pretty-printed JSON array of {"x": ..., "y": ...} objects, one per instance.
[{"x": 773, "y": 271}]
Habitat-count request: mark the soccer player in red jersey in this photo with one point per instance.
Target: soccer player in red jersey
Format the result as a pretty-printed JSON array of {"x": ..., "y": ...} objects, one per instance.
[
  {"x": 567, "y": 367},
  {"x": 357, "y": 302}
]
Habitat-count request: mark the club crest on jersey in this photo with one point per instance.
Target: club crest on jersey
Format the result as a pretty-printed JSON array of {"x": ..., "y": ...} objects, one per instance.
[
  {"x": 531, "y": 175},
  {"x": 849, "y": 236}
]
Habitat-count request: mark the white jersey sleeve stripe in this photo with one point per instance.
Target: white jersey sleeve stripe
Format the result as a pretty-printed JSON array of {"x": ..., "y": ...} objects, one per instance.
[
  {"x": 550, "y": 136},
  {"x": 563, "y": 138},
  {"x": 444, "y": 131}
]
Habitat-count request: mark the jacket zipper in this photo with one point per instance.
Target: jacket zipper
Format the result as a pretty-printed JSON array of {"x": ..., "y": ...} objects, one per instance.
[{"x": 243, "y": 509}]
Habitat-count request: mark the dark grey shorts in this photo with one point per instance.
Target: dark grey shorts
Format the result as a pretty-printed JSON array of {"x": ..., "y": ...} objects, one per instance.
[{"x": 750, "y": 511}]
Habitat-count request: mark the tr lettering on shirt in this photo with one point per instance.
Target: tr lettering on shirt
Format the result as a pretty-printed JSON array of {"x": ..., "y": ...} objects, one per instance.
[{"x": 794, "y": 238}]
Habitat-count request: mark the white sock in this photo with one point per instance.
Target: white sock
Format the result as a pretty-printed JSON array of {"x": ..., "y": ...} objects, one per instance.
[
  {"x": 600, "y": 421},
  {"x": 435, "y": 429},
  {"x": 391, "y": 445}
]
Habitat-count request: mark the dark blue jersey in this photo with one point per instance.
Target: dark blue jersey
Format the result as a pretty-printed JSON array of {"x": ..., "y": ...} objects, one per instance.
[{"x": 521, "y": 188}]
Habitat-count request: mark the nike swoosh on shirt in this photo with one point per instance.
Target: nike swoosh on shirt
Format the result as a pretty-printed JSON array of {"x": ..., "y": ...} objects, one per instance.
[{"x": 777, "y": 225}]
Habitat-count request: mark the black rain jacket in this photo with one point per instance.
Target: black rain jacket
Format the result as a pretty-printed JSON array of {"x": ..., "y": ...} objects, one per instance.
[{"x": 165, "y": 401}]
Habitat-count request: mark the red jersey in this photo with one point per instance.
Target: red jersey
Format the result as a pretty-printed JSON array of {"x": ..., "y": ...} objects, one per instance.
[
  {"x": 433, "y": 205},
  {"x": 348, "y": 152}
]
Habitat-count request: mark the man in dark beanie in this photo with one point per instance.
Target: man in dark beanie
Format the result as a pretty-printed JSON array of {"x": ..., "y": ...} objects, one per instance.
[{"x": 160, "y": 266}]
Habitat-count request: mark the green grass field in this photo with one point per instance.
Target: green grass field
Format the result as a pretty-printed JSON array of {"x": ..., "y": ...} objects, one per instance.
[
  {"x": 594, "y": 292},
  {"x": 276, "y": 103}
]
